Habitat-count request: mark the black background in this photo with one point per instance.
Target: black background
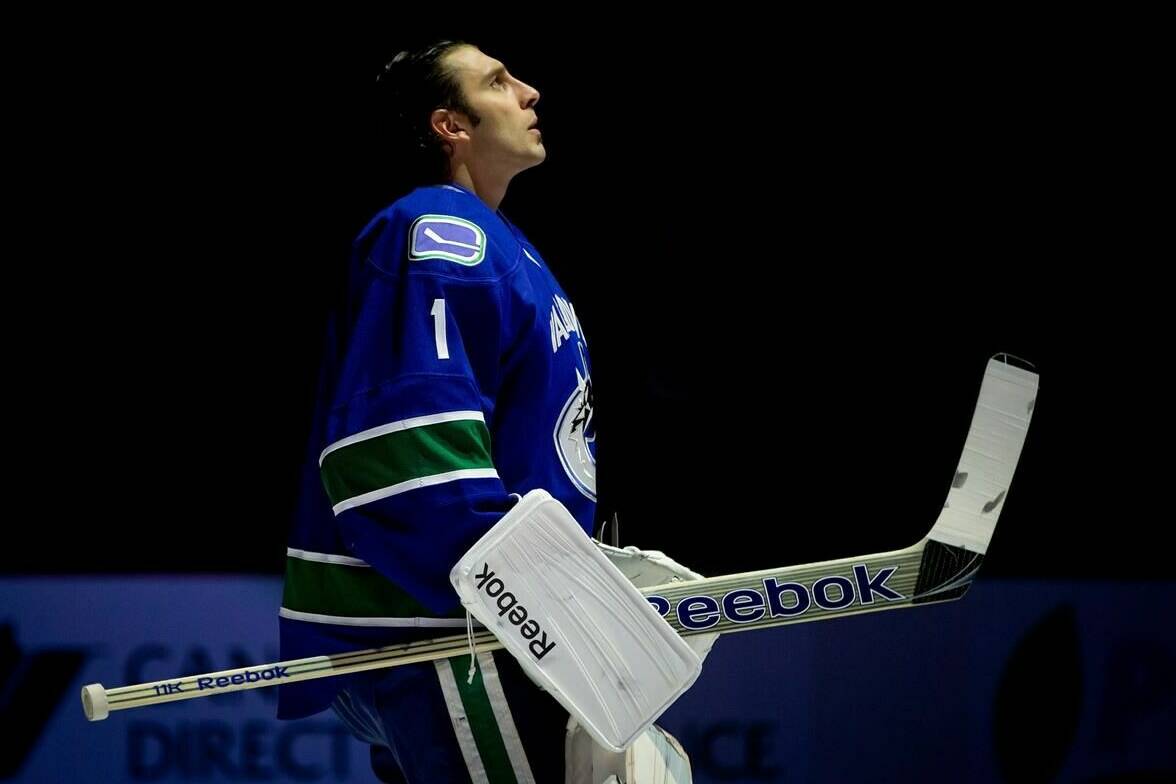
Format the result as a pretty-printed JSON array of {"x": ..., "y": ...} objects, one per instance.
[{"x": 186, "y": 191}]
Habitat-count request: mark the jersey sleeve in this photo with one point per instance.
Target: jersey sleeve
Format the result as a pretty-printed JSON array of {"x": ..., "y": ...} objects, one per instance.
[{"x": 407, "y": 462}]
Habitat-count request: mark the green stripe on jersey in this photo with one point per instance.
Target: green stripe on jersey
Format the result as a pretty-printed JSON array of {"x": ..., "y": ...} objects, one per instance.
[
  {"x": 349, "y": 591},
  {"x": 404, "y": 455}
]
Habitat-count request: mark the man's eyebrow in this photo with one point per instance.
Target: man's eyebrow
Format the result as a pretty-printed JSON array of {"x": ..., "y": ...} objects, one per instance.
[{"x": 498, "y": 70}]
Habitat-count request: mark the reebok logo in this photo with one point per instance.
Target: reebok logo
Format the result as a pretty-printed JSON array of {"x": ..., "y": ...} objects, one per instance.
[
  {"x": 507, "y": 602},
  {"x": 249, "y": 676},
  {"x": 781, "y": 599}
]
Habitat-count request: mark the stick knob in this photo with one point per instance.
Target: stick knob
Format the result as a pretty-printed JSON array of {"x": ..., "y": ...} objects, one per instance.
[{"x": 94, "y": 702}]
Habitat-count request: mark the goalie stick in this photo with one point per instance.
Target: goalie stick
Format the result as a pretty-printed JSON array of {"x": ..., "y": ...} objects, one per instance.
[{"x": 938, "y": 568}]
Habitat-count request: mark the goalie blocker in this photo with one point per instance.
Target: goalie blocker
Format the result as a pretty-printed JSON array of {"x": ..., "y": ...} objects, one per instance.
[{"x": 578, "y": 626}]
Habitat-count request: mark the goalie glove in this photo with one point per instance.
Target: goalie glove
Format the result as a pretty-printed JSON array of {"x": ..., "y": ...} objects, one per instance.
[{"x": 647, "y": 568}]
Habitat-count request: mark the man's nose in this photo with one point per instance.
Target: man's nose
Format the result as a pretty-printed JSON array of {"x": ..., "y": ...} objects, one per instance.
[{"x": 529, "y": 95}]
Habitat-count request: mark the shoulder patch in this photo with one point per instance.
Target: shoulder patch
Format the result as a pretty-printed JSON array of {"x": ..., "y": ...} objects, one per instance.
[{"x": 448, "y": 238}]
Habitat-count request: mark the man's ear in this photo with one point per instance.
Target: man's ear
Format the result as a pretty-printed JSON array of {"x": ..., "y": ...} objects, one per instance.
[{"x": 449, "y": 125}]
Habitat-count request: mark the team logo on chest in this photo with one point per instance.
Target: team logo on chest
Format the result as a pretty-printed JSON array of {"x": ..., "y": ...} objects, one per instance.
[
  {"x": 563, "y": 323},
  {"x": 575, "y": 433}
]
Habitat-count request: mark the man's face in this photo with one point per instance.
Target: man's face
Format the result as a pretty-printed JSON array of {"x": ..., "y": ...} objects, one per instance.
[{"x": 507, "y": 136}]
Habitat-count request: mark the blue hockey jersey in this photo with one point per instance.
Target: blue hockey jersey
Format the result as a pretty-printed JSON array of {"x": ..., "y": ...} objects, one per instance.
[{"x": 456, "y": 375}]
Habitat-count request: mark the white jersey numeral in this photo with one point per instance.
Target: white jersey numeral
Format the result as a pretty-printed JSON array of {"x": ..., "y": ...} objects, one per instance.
[{"x": 438, "y": 314}]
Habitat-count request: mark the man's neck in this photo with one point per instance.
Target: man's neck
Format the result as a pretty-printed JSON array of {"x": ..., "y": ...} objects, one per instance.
[{"x": 489, "y": 189}]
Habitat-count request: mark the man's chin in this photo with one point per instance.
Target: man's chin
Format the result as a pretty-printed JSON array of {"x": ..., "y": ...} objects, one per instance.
[{"x": 537, "y": 155}]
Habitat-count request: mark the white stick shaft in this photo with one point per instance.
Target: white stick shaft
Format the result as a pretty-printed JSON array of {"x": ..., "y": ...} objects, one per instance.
[{"x": 683, "y": 613}]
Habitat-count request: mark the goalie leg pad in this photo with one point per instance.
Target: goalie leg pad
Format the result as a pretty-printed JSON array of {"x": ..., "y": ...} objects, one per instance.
[{"x": 655, "y": 757}]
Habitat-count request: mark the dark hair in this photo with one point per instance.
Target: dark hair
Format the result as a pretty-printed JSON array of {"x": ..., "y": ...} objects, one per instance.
[{"x": 409, "y": 88}]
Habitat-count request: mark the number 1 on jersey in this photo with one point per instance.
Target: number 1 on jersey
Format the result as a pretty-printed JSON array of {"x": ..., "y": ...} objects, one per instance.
[{"x": 438, "y": 313}]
